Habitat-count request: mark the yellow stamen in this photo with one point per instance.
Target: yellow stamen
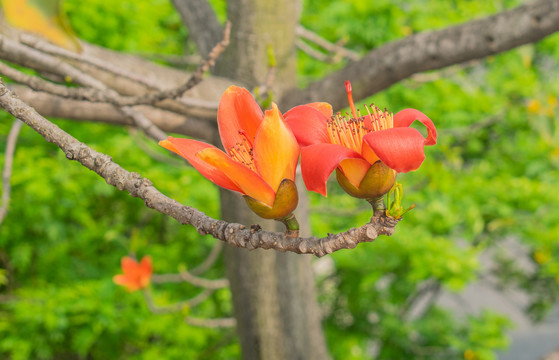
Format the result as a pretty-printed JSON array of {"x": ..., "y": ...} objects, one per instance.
[
  {"x": 349, "y": 132},
  {"x": 242, "y": 153}
]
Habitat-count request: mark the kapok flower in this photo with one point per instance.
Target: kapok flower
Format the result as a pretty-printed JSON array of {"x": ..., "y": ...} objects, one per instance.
[
  {"x": 260, "y": 158},
  {"x": 366, "y": 151},
  {"x": 136, "y": 275}
]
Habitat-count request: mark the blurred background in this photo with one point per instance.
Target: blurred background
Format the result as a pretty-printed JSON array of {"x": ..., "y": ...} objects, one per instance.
[{"x": 471, "y": 273}]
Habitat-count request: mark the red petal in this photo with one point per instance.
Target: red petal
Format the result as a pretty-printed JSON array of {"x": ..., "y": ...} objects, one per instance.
[
  {"x": 187, "y": 149},
  {"x": 128, "y": 265},
  {"x": 308, "y": 125},
  {"x": 319, "y": 160},
  {"x": 400, "y": 148},
  {"x": 238, "y": 116},
  {"x": 275, "y": 149},
  {"x": 248, "y": 181},
  {"x": 406, "y": 117},
  {"x": 146, "y": 265}
]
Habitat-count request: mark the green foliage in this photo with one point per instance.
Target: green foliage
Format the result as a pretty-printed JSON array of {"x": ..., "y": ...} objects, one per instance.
[
  {"x": 148, "y": 26},
  {"x": 492, "y": 177},
  {"x": 63, "y": 253}
]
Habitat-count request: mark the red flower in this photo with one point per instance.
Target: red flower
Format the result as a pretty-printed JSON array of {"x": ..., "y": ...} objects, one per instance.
[
  {"x": 260, "y": 157},
  {"x": 366, "y": 151},
  {"x": 136, "y": 275}
]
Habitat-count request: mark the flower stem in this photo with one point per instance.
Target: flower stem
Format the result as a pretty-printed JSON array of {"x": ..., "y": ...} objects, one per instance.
[
  {"x": 291, "y": 225},
  {"x": 377, "y": 204}
]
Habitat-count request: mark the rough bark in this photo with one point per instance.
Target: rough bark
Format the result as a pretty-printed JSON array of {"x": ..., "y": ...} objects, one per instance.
[
  {"x": 56, "y": 106},
  {"x": 201, "y": 21},
  {"x": 273, "y": 293},
  {"x": 390, "y": 63}
]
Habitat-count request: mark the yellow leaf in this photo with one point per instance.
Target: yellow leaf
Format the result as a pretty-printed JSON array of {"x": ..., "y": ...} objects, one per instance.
[{"x": 43, "y": 18}]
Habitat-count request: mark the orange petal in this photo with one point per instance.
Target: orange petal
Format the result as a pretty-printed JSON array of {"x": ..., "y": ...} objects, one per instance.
[
  {"x": 275, "y": 149},
  {"x": 355, "y": 170},
  {"x": 188, "y": 148},
  {"x": 238, "y": 116},
  {"x": 248, "y": 181},
  {"x": 129, "y": 283},
  {"x": 368, "y": 153},
  {"x": 121, "y": 280},
  {"x": 323, "y": 107}
]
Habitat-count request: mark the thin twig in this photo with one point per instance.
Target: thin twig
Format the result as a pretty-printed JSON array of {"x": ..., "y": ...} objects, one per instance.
[
  {"x": 211, "y": 323},
  {"x": 185, "y": 276},
  {"x": 146, "y": 147},
  {"x": 325, "y": 44},
  {"x": 176, "y": 307},
  {"x": 312, "y": 52},
  {"x": 234, "y": 234},
  {"x": 210, "y": 260},
  {"x": 8, "y": 163},
  {"x": 194, "y": 79}
]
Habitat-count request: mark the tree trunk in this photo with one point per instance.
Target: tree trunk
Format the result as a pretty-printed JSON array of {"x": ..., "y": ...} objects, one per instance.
[{"x": 273, "y": 293}]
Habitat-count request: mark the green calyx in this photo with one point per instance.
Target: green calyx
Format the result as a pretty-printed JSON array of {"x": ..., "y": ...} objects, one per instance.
[
  {"x": 285, "y": 202},
  {"x": 377, "y": 181},
  {"x": 394, "y": 206}
]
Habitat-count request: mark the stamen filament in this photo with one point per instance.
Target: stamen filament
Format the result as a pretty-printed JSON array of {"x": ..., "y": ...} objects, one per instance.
[{"x": 242, "y": 153}]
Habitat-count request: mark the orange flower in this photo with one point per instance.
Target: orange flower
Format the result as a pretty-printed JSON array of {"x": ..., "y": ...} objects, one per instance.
[
  {"x": 260, "y": 158},
  {"x": 136, "y": 275}
]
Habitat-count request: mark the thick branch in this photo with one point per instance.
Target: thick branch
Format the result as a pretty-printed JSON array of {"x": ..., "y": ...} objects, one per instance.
[
  {"x": 235, "y": 234},
  {"x": 395, "y": 61},
  {"x": 51, "y": 105},
  {"x": 35, "y": 59},
  {"x": 99, "y": 93}
]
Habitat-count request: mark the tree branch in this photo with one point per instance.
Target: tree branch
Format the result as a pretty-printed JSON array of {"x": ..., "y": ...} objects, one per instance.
[
  {"x": 234, "y": 234},
  {"x": 336, "y": 51},
  {"x": 99, "y": 93},
  {"x": 56, "y": 106},
  {"x": 209, "y": 261},
  {"x": 395, "y": 61},
  {"x": 200, "y": 19},
  {"x": 35, "y": 59},
  {"x": 83, "y": 57},
  {"x": 8, "y": 162},
  {"x": 176, "y": 307},
  {"x": 211, "y": 323},
  {"x": 185, "y": 276}
]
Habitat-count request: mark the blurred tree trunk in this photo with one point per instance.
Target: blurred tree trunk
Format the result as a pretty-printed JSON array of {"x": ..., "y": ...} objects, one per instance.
[{"x": 273, "y": 293}]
